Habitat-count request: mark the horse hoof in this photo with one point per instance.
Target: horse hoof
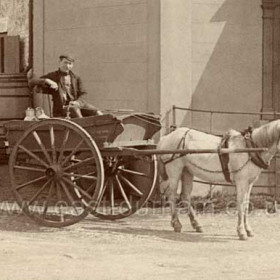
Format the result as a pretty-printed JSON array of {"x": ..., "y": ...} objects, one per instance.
[
  {"x": 242, "y": 237},
  {"x": 176, "y": 225},
  {"x": 177, "y": 229},
  {"x": 250, "y": 234},
  {"x": 199, "y": 229}
]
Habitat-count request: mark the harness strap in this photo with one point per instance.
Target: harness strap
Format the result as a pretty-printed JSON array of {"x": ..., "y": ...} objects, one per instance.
[
  {"x": 255, "y": 156},
  {"x": 182, "y": 140},
  {"x": 224, "y": 158}
]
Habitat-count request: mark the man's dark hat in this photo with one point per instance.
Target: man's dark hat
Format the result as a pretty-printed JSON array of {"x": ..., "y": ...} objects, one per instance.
[{"x": 66, "y": 56}]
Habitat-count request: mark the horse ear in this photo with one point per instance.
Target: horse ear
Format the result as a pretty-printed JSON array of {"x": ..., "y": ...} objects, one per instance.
[
  {"x": 247, "y": 132},
  {"x": 172, "y": 127}
]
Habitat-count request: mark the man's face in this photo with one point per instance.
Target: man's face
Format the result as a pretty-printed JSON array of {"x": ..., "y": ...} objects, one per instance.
[{"x": 65, "y": 65}]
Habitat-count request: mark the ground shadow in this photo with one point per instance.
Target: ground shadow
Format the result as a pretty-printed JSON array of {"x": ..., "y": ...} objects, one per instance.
[
  {"x": 21, "y": 223},
  {"x": 170, "y": 235},
  {"x": 18, "y": 222}
]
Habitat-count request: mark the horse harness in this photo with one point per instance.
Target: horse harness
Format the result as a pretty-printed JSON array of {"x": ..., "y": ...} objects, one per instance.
[
  {"x": 182, "y": 141},
  {"x": 255, "y": 157},
  {"x": 224, "y": 157}
]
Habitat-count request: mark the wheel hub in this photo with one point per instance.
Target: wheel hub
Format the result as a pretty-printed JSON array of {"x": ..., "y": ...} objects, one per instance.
[
  {"x": 113, "y": 166},
  {"x": 54, "y": 172}
]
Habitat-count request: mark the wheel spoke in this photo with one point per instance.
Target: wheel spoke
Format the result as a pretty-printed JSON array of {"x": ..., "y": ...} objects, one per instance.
[
  {"x": 130, "y": 184},
  {"x": 72, "y": 153},
  {"x": 69, "y": 196},
  {"x": 80, "y": 196},
  {"x": 33, "y": 156},
  {"x": 30, "y": 182},
  {"x": 52, "y": 138},
  {"x": 58, "y": 192},
  {"x": 29, "y": 168},
  {"x": 102, "y": 193},
  {"x": 123, "y": 192},
  {"x": 59, "y": 196},
  {"x": 68, "y": 181},
  {"x": 79, "y": 164},
  {"x": 62, "y": 148},
  {"x": 79, "y": 176},
  {"x": 46, "y": 205},
  {"x": 92, "y": 186},
  {"x": 91, "y": 173},
  {"x": 133, "y": 172},
  {"x": 112, "y": 197},
  {"x": 42, "y": 146},
  {"x": 38, "y": 192}
]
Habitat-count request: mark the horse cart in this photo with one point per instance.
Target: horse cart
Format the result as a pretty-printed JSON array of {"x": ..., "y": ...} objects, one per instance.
[{"x": 61, "y": 170}]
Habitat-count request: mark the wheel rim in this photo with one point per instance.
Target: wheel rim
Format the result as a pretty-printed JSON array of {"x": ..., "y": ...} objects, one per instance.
[
  {"x": 129, "y": 182},
  {"x": 45, "y": 167}
]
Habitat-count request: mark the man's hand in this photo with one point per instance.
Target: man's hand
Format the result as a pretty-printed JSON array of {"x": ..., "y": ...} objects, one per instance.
[
  {"x": 74, "y": 103},
  {"x": 51, "y": 84}
]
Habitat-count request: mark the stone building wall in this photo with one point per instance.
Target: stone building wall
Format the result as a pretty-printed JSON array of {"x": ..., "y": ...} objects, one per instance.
[
  {"x": 211, "y": 59},
  {"x": 115, "y": 43}
]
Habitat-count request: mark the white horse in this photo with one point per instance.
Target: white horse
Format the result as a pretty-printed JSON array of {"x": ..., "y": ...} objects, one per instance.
[{"x": 243, "y": 170}]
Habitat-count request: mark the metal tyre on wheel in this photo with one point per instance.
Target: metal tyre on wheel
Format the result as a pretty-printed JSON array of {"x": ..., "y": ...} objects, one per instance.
[
  {"x": 45, "y": 167},
  {"x": 129, "y": 182}
]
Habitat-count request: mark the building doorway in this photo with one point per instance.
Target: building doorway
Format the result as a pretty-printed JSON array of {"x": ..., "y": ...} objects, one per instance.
[{"x": 15, "y": 36}]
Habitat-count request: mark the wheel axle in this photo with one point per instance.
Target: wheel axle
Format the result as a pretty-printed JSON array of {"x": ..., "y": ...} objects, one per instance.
[{"x": 54, "y": 172}]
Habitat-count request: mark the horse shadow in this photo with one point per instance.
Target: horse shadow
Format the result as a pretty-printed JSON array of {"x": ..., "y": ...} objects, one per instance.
[
  {"x": 122, "y": 227},
  {"x": 21, "y": 223}
]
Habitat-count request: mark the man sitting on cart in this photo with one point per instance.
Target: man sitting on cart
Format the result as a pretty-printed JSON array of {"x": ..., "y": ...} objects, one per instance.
[{"x": 66, "y": 89}]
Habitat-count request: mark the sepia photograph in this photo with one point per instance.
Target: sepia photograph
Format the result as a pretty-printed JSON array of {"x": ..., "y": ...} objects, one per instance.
[{"x": 139, "y": 139}]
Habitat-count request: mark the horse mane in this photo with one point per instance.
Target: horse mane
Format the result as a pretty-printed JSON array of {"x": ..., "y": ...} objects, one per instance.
[
  {"x": 267, "y": 134},
  {"x": 233, "y": 132}
]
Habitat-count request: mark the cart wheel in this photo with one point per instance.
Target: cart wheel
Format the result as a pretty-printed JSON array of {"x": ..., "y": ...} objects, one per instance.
[
  {"x": 45, "y": 167},
  {"x": 129, "y": 182}
]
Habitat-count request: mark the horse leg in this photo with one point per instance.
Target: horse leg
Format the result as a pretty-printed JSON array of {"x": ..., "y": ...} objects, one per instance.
[
  {"x": 246, "y": 223},
  {"x": 172, "y": 195},
  {"x": 242, "y": 190},
  {"x": 187, "y": 186}
]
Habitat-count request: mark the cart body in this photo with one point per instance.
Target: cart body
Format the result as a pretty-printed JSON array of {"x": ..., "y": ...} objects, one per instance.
[{"x": 77, "y": 164}]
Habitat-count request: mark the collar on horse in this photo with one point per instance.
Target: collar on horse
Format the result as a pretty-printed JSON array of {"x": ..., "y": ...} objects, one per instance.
[{"x": 255, "y": 157}]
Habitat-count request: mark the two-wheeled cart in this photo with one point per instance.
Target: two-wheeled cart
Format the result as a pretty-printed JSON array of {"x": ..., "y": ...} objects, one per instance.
[{"x": 61, "y": 170}]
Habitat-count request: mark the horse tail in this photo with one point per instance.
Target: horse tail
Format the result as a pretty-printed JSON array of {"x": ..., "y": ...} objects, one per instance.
[{"x": 161, "y": 169}]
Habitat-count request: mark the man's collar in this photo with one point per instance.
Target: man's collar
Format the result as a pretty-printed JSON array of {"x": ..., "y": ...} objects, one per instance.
[{"x": 63, "y": 73}]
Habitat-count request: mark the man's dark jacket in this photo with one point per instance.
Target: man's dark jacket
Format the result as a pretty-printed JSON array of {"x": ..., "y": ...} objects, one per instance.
[{"x": 57, "y": 95}]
